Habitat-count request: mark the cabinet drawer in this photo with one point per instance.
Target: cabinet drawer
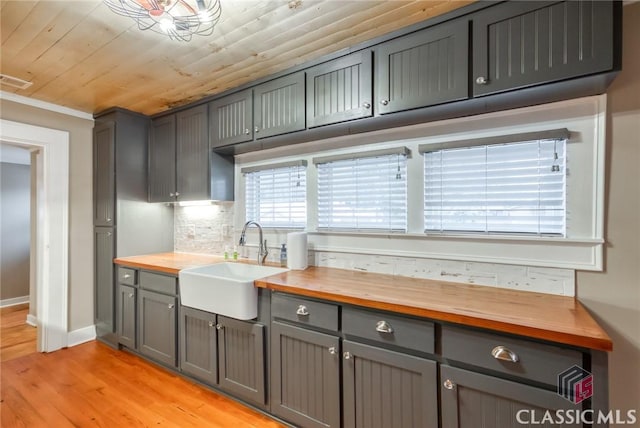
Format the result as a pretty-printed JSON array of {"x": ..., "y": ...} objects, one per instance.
[
  {"x": 303, "y": 311},
  {"x": 160, "y": 283},
  {"x": 534, "y": 361},
  {"x": 389, "y": 329},
  {"x": 127, "y": 276}
]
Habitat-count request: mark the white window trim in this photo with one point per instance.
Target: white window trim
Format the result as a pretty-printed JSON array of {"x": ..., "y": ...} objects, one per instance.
[{"x": 581, "y": 251}]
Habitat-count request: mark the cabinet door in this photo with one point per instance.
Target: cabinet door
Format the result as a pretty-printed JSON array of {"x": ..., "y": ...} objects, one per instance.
[
  {"x": 340, "y": 90},
  {"x": 279, "y": 106},
  {"x": 518, "y": 44},
  {"x": 157, "y": 325},
  {"x": 104, "y": 284},
  {"x": 162, "y": 159},
  {"x": 104, "y": 174},
  {"x": 192, "y": 154},
  {"x": 126, "y": 315},
  {"x": 388, "y": 389},
  {"x": 471, "y": 400},
  {"x": 241, "y": 352},
  {"x": 424, "y": 68},
  {"x": 231, "y": 119},
  {"x": 305, "y": 376},
  {"x": 198, "y": 338}
]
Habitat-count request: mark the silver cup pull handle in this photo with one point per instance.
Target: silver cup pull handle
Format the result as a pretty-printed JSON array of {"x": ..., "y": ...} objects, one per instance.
[
  {"x": 302, "y": 310},
  {"x": 504, "y": 354},
  {"x": 384, "y": 327}
]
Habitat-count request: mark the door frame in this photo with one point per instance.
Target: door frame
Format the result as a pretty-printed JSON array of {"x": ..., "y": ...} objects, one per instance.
[{"x": 52, "y": 248}]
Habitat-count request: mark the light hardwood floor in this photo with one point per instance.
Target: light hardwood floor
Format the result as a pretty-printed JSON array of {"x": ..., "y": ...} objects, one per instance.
[
  {"x": 17, "y": 338},
  {"x": 92, "y": 385}
]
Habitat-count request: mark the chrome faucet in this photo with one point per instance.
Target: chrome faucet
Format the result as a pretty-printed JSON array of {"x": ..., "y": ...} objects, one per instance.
[{"x": 262, "y": 246}]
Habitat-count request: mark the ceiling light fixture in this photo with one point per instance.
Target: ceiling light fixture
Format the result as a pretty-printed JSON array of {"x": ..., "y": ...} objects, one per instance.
[{"x": 179, "y": 19}]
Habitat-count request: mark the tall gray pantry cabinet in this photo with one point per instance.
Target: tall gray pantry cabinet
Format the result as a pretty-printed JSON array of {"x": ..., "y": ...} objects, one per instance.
[{"x": 124, "y": 223}]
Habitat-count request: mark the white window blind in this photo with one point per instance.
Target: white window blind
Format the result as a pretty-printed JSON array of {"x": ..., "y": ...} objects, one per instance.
[
  {"x": 363, "y": 193},
  {"x": 504, "y": 188},
  {"x": 277, "y": 196}
]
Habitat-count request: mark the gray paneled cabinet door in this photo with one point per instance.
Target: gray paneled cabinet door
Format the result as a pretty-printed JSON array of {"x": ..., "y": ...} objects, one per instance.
[
  {"x": 157, "y": 326},
  {"x": 192, "y": 154},
  {"x": 470, "y": 400},
  {"x": 518, "y": 44},
  {"x": 104, "y": 284},
  {"x": 305, "y": 376},
  {"x": 198, "y": 337},
  {"x": 384, "y": 388},
  {"x": 241, "y": 358},
  {"x": 278, "y": 106},
  {"x": 104, "y": 194},
  {"x": 162, "y": 159},
  {"x": 231, "y": 119},
  {"x": 126, "y": 315},
  {"x": 340, "y": 90},
  {"x": 423, "y": 68}
]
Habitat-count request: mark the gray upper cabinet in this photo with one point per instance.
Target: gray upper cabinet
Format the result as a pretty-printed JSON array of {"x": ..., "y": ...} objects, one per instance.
[
  {"x": 340, "y": 90},
  {"x": 383, "y": 388},
  {"x": 278, "y": 106},
  {"x": 470, "y": 400},
  {"x": 241, "y": 351},
  {"x": 104, "y": 137},
  {"x": 198, "y": 337},
  {"x": 162, "y": 159},
  {"x": 305, "y": 376},
  {"x": 231, "y": 119},
  {"x": 192, "y": 154},
  {"x": 523, "y": 43},
  {"x": 423, "y": 68}
]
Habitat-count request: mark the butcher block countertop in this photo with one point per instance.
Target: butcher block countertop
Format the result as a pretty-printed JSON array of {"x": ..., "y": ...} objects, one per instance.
[{"x": 536, "y": 315}]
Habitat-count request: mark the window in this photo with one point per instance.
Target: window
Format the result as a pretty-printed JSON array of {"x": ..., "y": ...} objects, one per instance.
[
  {"x": 367, "y": 191},
  {"x": 276, "y": 195},
  {"x": 504, "y": 188}
]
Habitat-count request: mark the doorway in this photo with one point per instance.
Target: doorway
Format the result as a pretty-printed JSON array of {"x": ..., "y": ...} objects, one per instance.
[{"x": 52, "y": 233}]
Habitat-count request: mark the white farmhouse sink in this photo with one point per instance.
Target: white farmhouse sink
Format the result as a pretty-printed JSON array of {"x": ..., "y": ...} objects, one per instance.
[{"x": 224, "y": 288}]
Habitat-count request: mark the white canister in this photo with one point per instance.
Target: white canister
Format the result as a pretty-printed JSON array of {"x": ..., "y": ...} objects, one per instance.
[{"x": 297, "y": 251}]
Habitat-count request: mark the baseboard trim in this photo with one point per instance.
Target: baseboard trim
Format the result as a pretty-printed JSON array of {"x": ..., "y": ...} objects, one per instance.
[
  {"x": 32, "y": 320},
  {"x": 82, "y": 335},
  {"x": 14, "y": 301}
]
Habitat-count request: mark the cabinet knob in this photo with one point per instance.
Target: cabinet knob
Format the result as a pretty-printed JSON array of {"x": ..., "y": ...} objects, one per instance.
[
  {"x": 366, "y": 105},
  {"x": 126, "y": 276},
  {"x": 210, "y": 323},
  {"x": 108, "y": 219},
  {"x": 256, "y": 129},
  {"x": 219, "y": 326},
  {"x": 109, "y": 233},
  {"x": 171, "y": 194},
  {"x": 448, "y": 384},
  {"x": 384, "y": 102},
  {"x": 333, "y": 350},
  {"x": 347, "y": 355},
  {"x": 177, "y": 194},
  {"x": 302, "y": 310},
  {"x": 171, "y": 306},
  {"x": 247, "y": 131},
  {"x": 504, "y": 354},
  {"x": 482, "y": 80},
  {"x": 131, "y": 295},
  {"x": 383, "y": 327}
]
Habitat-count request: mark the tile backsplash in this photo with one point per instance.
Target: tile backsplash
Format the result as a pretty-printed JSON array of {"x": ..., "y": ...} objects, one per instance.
[{"x": 209, "y": 229}]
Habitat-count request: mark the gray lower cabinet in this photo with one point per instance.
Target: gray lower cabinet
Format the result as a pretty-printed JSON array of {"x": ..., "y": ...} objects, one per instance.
[
  {"x": 126, "y": 320},
  {"x": 305, "y": 376},
  {"x": 384, "y": 388},
  {"x": 104, "y": 309},
  {"x": 157, "y": 324},
  {"x": 523, "y": 43},
  {"x": 241, "y": 361},
  {"x": 198, "y": 337},
  {"x": 470, "y": 400},
  {"x": 424, "y": 68}
]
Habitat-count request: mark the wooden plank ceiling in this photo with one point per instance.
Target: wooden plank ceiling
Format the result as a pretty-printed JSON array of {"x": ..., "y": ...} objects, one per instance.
[{"x": 81, "y": 55}]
